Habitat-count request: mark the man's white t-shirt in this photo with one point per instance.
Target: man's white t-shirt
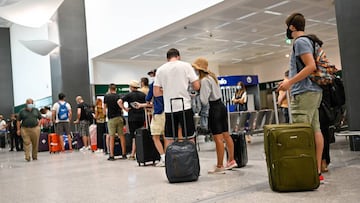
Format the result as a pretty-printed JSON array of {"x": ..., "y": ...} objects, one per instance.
[
  {"x": 56, "y": 108},
  {"x": 175, "y": 77}
]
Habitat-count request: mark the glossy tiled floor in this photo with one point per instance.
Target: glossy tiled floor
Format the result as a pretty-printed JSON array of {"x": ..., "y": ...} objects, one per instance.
[{"x": 89, "y": 177}]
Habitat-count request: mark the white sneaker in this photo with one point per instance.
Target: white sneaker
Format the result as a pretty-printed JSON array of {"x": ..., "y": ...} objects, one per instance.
[
  {"x": 217, "y": 170},
  {"x": 160, "y": 164},
  {"x": 88, "y": 148},
  {"x": 82, "y": 148}
]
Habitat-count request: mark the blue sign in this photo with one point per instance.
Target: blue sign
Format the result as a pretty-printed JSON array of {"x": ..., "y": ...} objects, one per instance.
[{"x": 234, "y": 79}]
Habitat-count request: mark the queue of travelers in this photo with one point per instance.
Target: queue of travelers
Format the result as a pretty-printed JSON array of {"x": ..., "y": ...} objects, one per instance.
[{"x": 199, "y": 88}]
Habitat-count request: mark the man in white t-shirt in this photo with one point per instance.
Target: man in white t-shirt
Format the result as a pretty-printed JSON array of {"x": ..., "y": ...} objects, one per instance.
[
  {"x": 61, "y": 113},
  {"x": 172, "y": 81}
]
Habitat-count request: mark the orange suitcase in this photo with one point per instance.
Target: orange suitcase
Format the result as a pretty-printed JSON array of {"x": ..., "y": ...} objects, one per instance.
[{"x": 54, "y": 143}]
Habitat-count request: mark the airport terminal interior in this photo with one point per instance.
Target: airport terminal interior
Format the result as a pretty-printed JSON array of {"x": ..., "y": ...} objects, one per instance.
[{"x": 79, "y": 47}]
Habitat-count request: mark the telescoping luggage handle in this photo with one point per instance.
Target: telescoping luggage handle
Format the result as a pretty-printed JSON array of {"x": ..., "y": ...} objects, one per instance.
[
  {"x": 275, "y": 105},
  {"x": 172, "y": 117}
]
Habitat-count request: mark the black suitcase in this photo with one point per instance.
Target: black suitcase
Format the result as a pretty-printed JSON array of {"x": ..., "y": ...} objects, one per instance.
[
  {"x": 354, "y": 142},
  {"x": 117, "y": 147},
  {"x": 2, "y": 140},
  {"x": 181, "y": 157},
  {"x": 77, "y": 142},
  {"x": 43, "y": 142},
  {"x": 145, "y": 147},
  {"x": 240, "y": 149}
]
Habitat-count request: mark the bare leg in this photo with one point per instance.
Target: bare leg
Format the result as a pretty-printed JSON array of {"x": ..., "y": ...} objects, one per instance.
[
  {"x": 123, "y": 144},
  {"x": 319, "y": 146},
  {"x": 219, "y": 143},
  {"x": 229, "y": 144},
  {"x": 112, "y": 140},
  {"x": 158, "y": 144},
  {"x": 70, "y": 142}
]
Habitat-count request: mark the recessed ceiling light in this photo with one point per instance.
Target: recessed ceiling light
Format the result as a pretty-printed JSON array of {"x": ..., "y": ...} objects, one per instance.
[
  {"x": 246, "y": 16},
  {"x": 287, "y": 55},
  {"x": 276, "y": 5},
  {"x": 259, "y": 40},
  {"x": 180, "y": 40},
  {"x": 222, "y": 25},
  {"x": 163, "y": 46},
  {"x": 273, "y": 13},
  {"x": 146, "y": 52},
  {"x": 134, "y": 57}
]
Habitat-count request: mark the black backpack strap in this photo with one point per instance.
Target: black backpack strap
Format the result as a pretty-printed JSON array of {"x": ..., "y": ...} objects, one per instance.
[{"x": 300, "y": 62}]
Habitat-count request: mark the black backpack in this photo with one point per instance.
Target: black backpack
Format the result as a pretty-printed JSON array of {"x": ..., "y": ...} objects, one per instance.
[{"x": 88, "y": 113}]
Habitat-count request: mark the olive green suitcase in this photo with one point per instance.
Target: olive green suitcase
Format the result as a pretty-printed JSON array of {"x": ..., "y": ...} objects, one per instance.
[{"x": 290, "y": 156}]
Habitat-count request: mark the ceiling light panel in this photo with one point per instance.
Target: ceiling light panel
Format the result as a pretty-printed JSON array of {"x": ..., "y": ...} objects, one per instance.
[
  {"x": 207, "y": 24},
  {"x": 232, "y": 14},
  {"x": 258, "y": 18},
  {"x": 289, "y": 7},
  {"x": 261, "y": 4}
]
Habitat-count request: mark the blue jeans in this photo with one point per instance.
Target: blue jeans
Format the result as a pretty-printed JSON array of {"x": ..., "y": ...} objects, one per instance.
[{"x": 204, "y": 116}]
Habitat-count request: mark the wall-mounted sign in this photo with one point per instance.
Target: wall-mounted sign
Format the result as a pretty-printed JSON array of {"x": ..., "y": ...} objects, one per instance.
[{"x": 234, "y": 79}]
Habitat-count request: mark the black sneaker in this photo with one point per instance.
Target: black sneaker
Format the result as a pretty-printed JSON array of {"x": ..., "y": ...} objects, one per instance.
[
  {"x": 123, "y": 157},
  {"x": 111, "y": 158}
]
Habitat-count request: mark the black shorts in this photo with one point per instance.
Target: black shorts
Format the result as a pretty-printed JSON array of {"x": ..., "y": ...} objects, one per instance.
[
  {"x": 179, "y": 120},
  {"x": 133, "y": 125},
  {"x": 218, "y": 119}
]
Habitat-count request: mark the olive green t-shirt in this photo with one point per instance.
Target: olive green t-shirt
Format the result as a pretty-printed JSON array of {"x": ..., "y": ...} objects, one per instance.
[{"x": 29, "y": 119}]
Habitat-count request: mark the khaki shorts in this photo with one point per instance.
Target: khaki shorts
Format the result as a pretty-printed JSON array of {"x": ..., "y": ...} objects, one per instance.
[
  {"x": 304, "y": 108},
  {"x": 157, "y": 126},
  {"x": 115, "y": 125}
]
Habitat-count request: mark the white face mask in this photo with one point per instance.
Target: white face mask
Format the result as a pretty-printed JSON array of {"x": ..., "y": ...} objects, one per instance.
[
  {"x": 30, "y": 106},
  {"x": 238, "y": 87}
]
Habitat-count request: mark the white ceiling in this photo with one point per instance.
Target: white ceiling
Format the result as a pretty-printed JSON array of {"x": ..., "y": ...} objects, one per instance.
[
  {"x": 246, "y": 31},
  {"x": 228, "y": 33}
]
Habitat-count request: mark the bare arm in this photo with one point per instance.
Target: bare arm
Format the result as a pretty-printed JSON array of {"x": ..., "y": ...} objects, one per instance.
[
  {"x": 121, "y": 105},
  {"x": 78, "y": 114},
  {"x": 18, "y": 127},
  {"x": 196, "y": 85},
  {"x": 53, "y": 116}
]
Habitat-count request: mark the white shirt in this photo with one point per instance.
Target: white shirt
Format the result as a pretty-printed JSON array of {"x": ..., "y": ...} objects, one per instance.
[
  {"x": 56, "y": 108},
  {"x": 174, "y": 77},
  {"x": 2, "y": 125}
]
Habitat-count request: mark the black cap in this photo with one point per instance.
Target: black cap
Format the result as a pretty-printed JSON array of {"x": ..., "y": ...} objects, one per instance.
[{"x": 152, "y": 71}]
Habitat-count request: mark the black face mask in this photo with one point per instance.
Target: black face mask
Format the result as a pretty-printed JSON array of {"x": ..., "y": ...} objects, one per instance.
[{"x": 288, "y": 33}]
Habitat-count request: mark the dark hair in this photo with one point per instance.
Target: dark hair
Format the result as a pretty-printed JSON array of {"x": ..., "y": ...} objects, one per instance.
[
  {"x": 145, "y": 81},
  {"x": 61, "y": 96},
  {"x": 112, "y": 87},
  {"x": 172, "y": 53},
  {"x": 297, "y": 20}
]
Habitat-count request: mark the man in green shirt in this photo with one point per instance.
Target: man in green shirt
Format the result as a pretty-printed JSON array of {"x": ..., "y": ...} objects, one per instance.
[{"x": 28, "y": 125}]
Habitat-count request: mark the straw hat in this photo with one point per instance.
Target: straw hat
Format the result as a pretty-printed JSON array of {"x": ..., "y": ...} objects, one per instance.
[
  {"x": 201, "y": 64},
  {"x": 134, "y": 83}
]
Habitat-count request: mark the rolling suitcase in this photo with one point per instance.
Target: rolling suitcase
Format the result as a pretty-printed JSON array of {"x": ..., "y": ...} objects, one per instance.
[
  {"x": 238, "y": 137},
  {"x": 240, "y": 148},
  {"x": 181, "y": 157},
  {"x": 290, "y": 155},
  {"x": 43, "y": 142},
  {"x": 93, "y": 137},
  {"x": 145, "y": 147},
  {"x": 54, "y": 143},
  {"x": 77, "y": 142},
  {"x": 117, "y": 146}
]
